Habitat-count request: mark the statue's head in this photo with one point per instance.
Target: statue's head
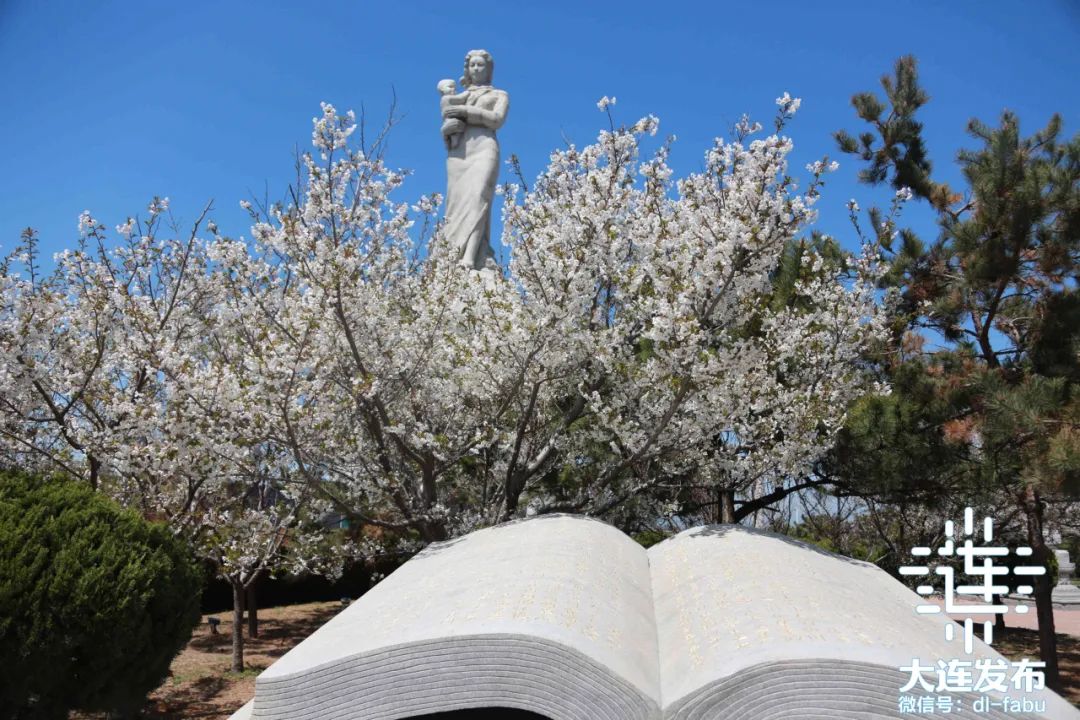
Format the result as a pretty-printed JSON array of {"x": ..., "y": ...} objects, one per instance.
[{"x": 479, "y": 68}]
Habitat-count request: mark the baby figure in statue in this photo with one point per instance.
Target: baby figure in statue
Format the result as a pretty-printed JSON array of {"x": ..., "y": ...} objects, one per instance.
[{"x": 452, "y": 128}]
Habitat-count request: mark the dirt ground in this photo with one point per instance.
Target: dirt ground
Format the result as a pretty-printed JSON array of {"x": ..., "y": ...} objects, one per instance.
[
  {"x": 201, "y": 685},
  {"x": 1020, "y": 643}
]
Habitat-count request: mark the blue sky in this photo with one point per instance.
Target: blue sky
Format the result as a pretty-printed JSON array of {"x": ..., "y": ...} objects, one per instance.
[{"x": 107, "y": 103}]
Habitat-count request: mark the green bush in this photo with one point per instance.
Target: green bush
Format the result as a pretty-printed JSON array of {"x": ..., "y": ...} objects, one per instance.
[
  {"x": 648, "y": 538},
  {"x": 94, "y": 600}
]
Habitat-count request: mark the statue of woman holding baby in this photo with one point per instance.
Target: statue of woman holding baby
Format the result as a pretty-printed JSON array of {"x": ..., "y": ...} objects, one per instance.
[{"x": 470, "y": 119}]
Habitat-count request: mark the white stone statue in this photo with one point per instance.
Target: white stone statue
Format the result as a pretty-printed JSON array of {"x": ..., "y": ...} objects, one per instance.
[
  {"x": 470, "y": 119},
  {"x": 1065, "y": 593},
  {"x": 452, "y": 128}
]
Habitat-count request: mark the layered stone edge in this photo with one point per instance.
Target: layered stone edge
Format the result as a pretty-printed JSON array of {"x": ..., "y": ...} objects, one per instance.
[{"x": 454, "y": 673}]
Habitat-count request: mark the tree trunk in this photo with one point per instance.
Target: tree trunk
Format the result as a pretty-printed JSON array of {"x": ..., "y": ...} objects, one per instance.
[
  {"x": 252, "y": 610},
  {"x": 727, "y": 506},
  {"x": 999, "y": 619},
  {"x": 1044, "y": 604},
  {"x": 512, "y": 494},
  {"x": 237, "y": 626},
  {"x": 433, "y": 530},
  {"x": 95, "y": 471}
]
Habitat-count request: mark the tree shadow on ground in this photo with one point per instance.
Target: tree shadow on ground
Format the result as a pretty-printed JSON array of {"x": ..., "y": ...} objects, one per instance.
[
  {"x": 276, "y": 637},
  {"x": 196, "y": 700},
  {"x": 1016, "y": 643}
]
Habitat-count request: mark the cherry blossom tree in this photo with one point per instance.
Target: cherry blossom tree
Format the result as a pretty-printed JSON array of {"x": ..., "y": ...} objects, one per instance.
[
  {"x": 109, "y": 376},
  {"x": 633, "y": 319},
  {"x": 654, "y": 293},
  {"x": 340, "y": 359}
]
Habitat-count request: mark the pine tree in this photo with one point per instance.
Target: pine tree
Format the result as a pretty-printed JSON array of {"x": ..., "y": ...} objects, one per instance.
[{"x": 998, "y": 288}]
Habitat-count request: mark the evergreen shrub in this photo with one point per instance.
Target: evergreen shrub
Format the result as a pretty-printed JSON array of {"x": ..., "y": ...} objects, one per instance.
[{"x": 95, "y": 601}]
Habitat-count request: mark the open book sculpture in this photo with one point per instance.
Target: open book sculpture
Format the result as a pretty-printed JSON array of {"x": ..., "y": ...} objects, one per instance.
[{"x": 570, "y": 619}]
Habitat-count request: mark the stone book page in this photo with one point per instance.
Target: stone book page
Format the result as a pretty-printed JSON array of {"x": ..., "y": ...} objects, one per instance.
[
  {"x": 757, "y": 625},
  {"x": 552, "y": 615},
  {"x": 569, "y": 618}
]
